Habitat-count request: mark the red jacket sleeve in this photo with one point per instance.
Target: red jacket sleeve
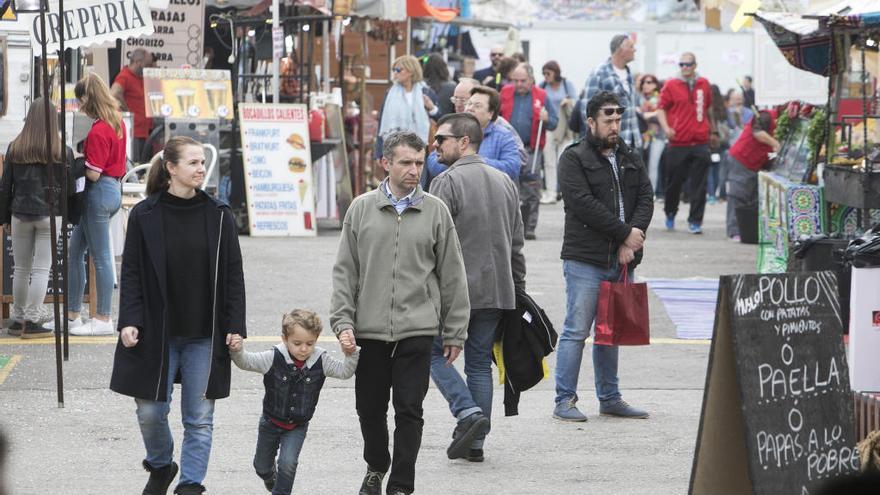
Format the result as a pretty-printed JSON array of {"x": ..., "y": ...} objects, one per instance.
[{"x": 665, "y": 97}]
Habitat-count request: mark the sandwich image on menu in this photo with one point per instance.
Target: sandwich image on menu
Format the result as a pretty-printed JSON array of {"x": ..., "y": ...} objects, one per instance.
[{"x": 296, "y": 141}]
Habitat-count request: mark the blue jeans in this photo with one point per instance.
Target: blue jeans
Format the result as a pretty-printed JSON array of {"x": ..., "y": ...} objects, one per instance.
[
  {"x": 269, "y": 439},
  {"x": 103, "y": 199},
  {"x": 192, "y": 358},
  {"x": 582, "y": 296},
  {"x": 476, "y": 395}
]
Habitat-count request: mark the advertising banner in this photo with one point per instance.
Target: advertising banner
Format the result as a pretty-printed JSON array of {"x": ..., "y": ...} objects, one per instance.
[
  {"x": 178, "y": 37},
  {"x": 188, "y": 93}
]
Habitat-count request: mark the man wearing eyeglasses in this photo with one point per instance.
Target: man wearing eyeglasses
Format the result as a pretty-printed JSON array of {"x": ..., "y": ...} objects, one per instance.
[
  {"x": 683, "y": 113},
  {"x": 490, "y": 76},
  {"x": 524, "y": 105},
  {"x": 614, "y": 75},
  {"x": 484, "y": 204},
  {"x": 608, "y": 206}
]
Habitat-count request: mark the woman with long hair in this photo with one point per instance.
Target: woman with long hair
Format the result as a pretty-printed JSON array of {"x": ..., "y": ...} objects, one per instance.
[
  {"x": 181, "y": 296},
  {"x": 719, "y": 142},
  {"x": 436, "y": 74},
  {"x": 104, "y": 152},
  {"x": 654, "y": 140},
  {"x": 24, "y": 213},
  {"x": 561, "y": 95},
  {"x": 409, "y": 102}
]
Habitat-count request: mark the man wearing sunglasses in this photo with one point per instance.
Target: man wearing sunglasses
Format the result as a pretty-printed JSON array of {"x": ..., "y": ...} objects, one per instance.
[
  {"x": 484, "y": 204},
  {"x": 489, "y": 75},
  {"x": 608, "y": 206},
  {"x": 614, "y": 75},
  {"x": 683, "y": 113}
]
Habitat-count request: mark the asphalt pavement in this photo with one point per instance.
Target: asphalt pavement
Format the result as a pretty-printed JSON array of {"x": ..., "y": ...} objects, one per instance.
[{"x": 92, "y": 445}]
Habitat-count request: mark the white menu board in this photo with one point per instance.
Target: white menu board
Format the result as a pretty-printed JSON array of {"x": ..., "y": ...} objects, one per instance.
[{"x": 277, "y": 169}]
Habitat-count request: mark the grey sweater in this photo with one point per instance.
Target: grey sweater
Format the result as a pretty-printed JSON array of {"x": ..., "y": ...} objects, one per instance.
[
  {"x": 484, "y": 203},
  {"x": 399, "y": 276},
  {"x": 261, "y": 362}
]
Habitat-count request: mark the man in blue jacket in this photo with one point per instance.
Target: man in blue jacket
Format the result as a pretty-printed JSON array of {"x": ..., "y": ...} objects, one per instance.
[{"x": 499, "y": 148}]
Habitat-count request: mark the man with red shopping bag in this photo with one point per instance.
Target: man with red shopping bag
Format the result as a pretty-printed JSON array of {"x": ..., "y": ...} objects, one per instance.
[{"x": 608, "y": 206}]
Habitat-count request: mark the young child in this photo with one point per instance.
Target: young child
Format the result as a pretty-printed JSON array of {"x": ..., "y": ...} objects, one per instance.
[{"x": 293, "y": 374}]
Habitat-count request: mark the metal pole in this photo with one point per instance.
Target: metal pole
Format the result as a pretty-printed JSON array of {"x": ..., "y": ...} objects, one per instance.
[
  {"x": 50, "y": 193},
  {"x": 276, "y": 61},
  {"x": 64, "y": 214},
  {"x": 866, "y": 189},
  {"x": 325, "y": 65}
]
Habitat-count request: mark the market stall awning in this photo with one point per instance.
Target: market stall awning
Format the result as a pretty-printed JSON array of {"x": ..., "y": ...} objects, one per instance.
[{"x": 423, "y": 8}]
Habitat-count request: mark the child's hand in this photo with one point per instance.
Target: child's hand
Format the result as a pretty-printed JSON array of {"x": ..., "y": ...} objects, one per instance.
[
  {"x": 347, "y": 342},
  {"x": 235, "y": 342}
]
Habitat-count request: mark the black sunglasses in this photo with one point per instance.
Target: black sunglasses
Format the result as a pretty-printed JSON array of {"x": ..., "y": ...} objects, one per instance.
[
  {"x": 611, "y": 111},
  {"x": 687, "y": 64},
  {"x": 496, "y": 55},
  {"x": 443, "y": 137}
]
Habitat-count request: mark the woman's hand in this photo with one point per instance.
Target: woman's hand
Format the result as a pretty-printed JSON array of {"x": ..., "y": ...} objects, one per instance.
[
  {"x": 93, "y": 175},
  {"x": 429, "y": 105},
  {"x": 7, "y": 227},
  {"x": 129, "y": 336}
]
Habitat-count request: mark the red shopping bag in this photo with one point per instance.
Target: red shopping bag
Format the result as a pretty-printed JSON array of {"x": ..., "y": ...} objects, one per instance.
[{"x": 622, "y": 314}]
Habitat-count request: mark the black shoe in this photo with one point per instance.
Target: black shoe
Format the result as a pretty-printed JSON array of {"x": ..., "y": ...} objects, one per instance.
[
  {"x": 372, "y": 484},
  {"x": 475, "y": 455},
  {"x": 530, "y": 236},
  {"x": 33, "y": 331},
  {"x": 399, "y": 492},
  {"x": 465, "y": 432},
  {"x": 269, "y": 479},
  {"x": 160, "y": 478},
  {"x": 15, "y": 328},
  {"x": 193, "y": 489},
  {"x": 559, "y": 196}
]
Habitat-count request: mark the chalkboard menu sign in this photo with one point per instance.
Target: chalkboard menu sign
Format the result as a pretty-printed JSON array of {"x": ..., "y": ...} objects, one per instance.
[
  {"x": 777, "y": 412},
  {"x": 9, "y": 266}
]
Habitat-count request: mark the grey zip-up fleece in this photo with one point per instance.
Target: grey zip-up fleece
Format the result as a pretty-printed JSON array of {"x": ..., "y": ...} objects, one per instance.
[
  {"x": 399, "y": 276},
  {"x": 261, "y": 362}
]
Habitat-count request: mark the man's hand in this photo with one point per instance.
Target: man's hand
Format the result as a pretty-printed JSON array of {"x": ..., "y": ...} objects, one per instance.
[
  {"x": 625, "y": 255},
  {"x": 129, "y": 336},
  {"x": 235, "y": 342},
  {"x": 635, "y": 240},
  {"x": 451, "y": 352},
  {"x": 544, "y": 115},
  {"x": 347, "y": 341}
]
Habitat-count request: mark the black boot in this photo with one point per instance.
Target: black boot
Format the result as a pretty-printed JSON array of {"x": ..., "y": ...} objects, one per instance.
[
  {"x": 194, "y": 489},
  {"x": 160, "y": 478}
]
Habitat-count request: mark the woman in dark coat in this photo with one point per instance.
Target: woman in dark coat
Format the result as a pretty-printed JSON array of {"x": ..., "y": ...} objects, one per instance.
[{"x": 181, "y": 295}]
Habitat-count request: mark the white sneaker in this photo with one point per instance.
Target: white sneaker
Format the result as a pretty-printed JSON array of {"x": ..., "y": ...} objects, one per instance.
[
  {"x": 94, "y": 327},
  {"x": 71, "y": 324}
]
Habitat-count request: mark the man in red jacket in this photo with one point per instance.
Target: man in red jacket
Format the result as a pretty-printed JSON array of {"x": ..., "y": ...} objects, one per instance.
[
  {"x": 523, "y": 105},
  {"x": 684, "y": 115}
]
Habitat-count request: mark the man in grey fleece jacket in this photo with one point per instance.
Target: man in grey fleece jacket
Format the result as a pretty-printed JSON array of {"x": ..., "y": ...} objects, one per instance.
[
  {"x": 398, "y": 279},
  {"x": 484, "y": 203}
]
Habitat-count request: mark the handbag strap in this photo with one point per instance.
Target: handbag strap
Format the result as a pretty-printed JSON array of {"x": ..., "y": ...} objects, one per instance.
[{"x": 624, "y": 274}]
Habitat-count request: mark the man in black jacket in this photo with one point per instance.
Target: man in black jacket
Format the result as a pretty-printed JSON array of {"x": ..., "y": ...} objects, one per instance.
[{"x": 608, "y": 206}]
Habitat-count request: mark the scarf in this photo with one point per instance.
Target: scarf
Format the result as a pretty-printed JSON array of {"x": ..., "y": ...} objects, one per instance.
[{"x": 398, "y": 115}]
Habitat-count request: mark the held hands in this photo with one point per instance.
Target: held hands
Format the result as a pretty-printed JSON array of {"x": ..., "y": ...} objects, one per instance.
[
  {"x": 625, "y": 255},
  {"x": 235, "y": 342},
  {"x": 129, "y": 336},
  {"x": 670, "y": 133},
  {"x": 635, "y": 240},
  {"x": 347, "y": 341}
]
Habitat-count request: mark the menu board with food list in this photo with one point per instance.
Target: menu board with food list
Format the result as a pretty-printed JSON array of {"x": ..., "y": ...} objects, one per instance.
[
  {"x": 277, "y": 169},
  {"x": 777, "y": 408}
]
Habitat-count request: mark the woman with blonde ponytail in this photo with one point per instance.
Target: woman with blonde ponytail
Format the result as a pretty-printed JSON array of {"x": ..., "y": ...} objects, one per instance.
[{"x": 104, "y": 150}]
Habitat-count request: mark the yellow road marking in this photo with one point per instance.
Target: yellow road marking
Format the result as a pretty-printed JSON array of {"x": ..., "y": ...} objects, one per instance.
[
  {"x": 5, "y": 370},
  {"x": 272, "y": 338}
]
